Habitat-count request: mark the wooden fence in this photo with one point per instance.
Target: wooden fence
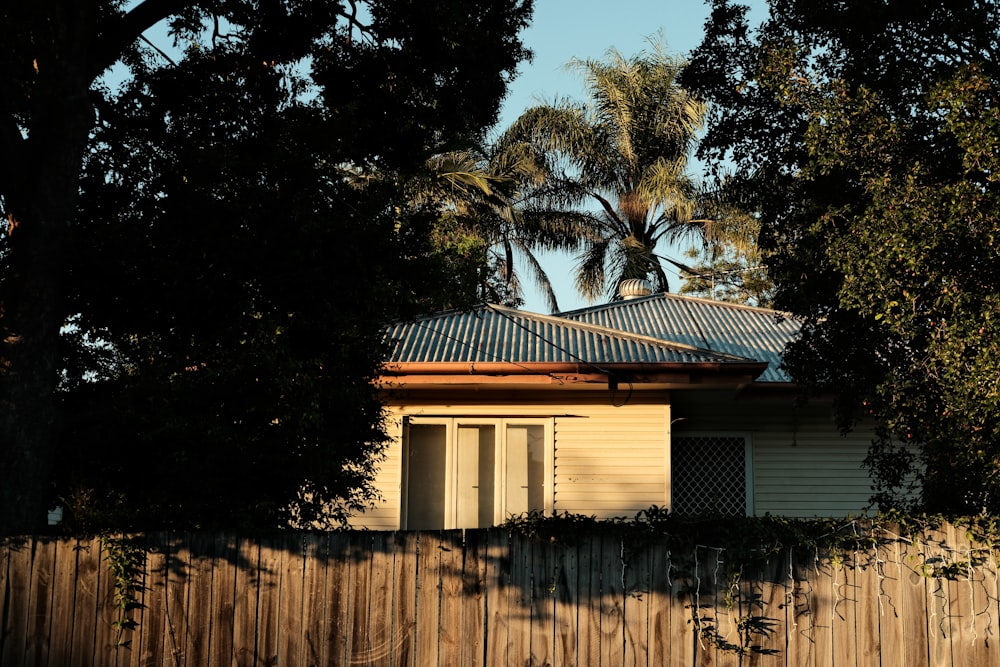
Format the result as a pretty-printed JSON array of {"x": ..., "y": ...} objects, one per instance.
[{"x": 488, "y": 597}]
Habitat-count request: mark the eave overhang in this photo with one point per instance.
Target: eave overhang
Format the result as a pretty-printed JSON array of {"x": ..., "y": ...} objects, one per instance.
[{"x": 485, "y": 375}]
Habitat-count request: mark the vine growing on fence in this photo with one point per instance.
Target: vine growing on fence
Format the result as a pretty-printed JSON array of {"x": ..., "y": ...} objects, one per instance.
[
  {"x": 126, "y": 561},
  {"x": 750, "y": 623},
  {"x": 754, "y": 541},
  {"x": 751, "y": 544}
]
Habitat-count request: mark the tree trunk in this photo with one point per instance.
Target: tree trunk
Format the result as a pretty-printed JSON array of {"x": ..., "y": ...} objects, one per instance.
[
  {"x": 39, "y": 191},
  {"x": 29, "y": 328},
  {"x": 31, "y": 314}
]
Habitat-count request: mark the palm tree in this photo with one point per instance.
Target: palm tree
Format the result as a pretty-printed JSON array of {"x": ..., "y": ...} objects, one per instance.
[
  {"x": 480, "y": 193},
  {"x": 615, "y": 169}
]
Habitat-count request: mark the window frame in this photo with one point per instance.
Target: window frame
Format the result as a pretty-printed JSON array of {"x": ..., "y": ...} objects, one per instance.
[
  {"x": 747, "y": 438},
  {"x": 452, "y": 425}
]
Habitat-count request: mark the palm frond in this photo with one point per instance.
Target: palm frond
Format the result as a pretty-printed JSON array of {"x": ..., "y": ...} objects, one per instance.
[
  {"x": 545, "y": 229},
  {"x": 556, "y": 129},
  {"x": 541, "y": 279},
  {"x": 590, "y": 268}
]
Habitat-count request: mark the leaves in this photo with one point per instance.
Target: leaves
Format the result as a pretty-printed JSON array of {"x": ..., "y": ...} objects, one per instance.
[
  {"x": 864, "y": 134},
  {"x": 245, "y": 229}
]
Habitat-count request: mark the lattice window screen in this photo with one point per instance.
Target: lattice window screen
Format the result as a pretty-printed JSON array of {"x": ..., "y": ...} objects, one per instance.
[{"x": 708, "y": 475}]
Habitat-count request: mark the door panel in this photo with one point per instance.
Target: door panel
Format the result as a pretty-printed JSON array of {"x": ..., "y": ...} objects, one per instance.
[
  {"x": 426, "y": 464},
  {"x": 475, "y": 466},
  {"x": 525, "y": 472}
]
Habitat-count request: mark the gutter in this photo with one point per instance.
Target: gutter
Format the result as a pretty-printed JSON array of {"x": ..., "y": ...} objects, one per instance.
[{"x": 549, "y": 368}]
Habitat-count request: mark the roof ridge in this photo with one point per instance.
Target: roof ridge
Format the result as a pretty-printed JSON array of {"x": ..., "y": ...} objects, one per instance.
[
  {"x": 618, "y": 333},
  {"x": 685, "y": 298},
  {"x": 730, "y": 304}
]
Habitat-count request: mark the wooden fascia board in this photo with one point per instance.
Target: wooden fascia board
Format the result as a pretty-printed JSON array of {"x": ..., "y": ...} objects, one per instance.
[{"x": 464, "y": 373}]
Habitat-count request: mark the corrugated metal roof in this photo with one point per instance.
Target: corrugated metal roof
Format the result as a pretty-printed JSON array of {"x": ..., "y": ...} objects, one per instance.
[
  {"x": 753, "y": 333},
  {"x": 497, "y": 334}
]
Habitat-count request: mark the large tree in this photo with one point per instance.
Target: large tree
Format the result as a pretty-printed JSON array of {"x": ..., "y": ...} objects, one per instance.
[
  {"x": 227, "y": 251},
  {"x": 865, "y": 133},
  {"x": 617, "y": 184}
]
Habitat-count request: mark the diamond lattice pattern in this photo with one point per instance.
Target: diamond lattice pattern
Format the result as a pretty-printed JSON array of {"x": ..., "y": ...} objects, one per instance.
[{"x": 708, "y": 475}]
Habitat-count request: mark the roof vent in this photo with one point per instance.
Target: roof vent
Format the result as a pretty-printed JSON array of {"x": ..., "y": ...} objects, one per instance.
[{"x": 634, "y": 288}]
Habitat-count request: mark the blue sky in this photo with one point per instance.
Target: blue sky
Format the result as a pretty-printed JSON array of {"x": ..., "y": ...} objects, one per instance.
[{"x": 567, "y": 29}]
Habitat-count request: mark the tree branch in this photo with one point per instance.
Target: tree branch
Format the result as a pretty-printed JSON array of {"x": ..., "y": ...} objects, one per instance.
[
  {"x": 158, "y": 50},
  {"x": 124, "y": 30},
  {"x": 353, "y": 22}
]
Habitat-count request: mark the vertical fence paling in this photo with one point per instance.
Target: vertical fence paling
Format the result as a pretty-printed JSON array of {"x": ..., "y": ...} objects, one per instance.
[{"x": 493, "y": 598}]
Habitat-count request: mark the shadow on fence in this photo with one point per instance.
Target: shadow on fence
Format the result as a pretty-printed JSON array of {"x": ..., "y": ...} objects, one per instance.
[{"x": 490, "y": 597}]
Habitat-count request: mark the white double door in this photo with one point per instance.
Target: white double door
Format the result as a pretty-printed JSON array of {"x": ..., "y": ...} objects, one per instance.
[{"x": 474, "y": 473}]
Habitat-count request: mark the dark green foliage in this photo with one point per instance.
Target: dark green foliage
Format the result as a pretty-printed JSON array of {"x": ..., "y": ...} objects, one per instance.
[
  {"x": 750, "y": 541},
  {"x": 427, "y": 74},
  {"x": 243, "y": 231},
  {"x": 863, "y": 133}
]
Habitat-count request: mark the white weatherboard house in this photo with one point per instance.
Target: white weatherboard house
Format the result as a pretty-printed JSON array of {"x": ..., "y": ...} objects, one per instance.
[{"x": 653, "y": 400}]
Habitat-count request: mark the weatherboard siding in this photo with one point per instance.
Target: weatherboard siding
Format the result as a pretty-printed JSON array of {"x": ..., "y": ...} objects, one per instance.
[
  {"x": 612, "y": 461},
  {"x": 384, "y": 515},
  {"x": 608, "y": 461},
  {"x": 819, "y": 473},
  {"x": 802, "y": 466}
]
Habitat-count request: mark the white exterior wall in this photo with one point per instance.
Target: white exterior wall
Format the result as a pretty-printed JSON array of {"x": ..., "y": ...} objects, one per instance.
[
  {"x": 608, "y": 461},
  {"x": 801, "y": 465}
]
